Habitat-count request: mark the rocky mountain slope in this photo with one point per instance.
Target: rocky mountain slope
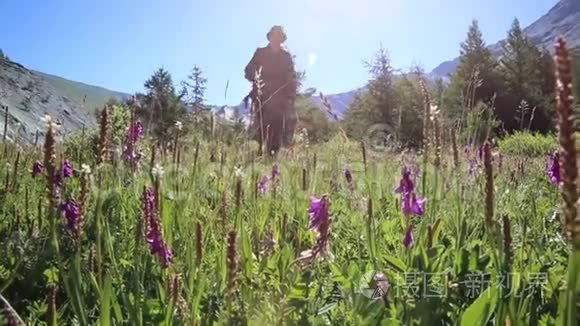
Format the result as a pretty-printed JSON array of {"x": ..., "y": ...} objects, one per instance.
[
  {"x": 562, "y": 20},
  {"x": 29, "y": 95}
]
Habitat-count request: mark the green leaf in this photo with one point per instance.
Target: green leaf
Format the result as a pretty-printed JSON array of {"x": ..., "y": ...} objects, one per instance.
[
  {"x": 396, "y": 263},
  {"x": 481, "y": 310},
  {"x": 327, "y": 308},
  {"x": 105, "y": 318}
]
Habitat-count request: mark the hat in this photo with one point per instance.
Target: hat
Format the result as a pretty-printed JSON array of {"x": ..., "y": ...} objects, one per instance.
[{"x": 277, "y": 29}]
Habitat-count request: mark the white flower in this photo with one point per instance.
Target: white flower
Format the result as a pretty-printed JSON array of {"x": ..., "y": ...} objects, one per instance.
[
  {"x": 298, "y": 138},
  {"x": 212, "y": 176},
  {"x": 434, "y": 111},
  {"x": 178, "y": 125},
  {"x": 157, "y": 170},
  {"x": 49, "y": 122},
  {"x": 238, "y": 172},
  {"x": 85, "y": 168}
]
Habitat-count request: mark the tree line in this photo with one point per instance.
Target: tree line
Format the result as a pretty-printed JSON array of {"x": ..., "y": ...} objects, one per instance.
[{"x": 485, "y": 96}]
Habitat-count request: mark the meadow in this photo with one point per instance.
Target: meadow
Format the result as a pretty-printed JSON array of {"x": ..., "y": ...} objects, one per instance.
[{"x": 336, "y": 233}]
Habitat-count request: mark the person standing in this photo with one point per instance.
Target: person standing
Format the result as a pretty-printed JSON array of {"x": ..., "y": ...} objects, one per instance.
[{"x": 274, "y": 92}]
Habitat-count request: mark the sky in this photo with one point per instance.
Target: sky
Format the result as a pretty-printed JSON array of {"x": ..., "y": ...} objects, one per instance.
[{"x": 119, "y": 44}]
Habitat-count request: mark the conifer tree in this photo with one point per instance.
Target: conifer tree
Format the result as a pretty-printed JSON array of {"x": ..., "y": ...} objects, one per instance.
[
  {"x": 161, "y": 106},
  {"x": 476, "y": 78}
]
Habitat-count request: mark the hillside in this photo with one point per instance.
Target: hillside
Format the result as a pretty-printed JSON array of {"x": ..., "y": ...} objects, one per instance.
[
  {"x": 561, "y": 20},
  {"x": 29, "y": 95},
  {"x": 96, "y": 96}
]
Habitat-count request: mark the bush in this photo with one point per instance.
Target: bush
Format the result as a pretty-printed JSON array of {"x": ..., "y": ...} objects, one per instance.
[{"x": 528, "y": 144}]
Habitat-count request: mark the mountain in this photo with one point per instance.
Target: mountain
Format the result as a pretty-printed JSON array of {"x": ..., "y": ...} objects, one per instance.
[
  {"x": 96, "y": 96},
  {"x": 29, "y": 95},
  {"x": 561, "y": 20},
  {"x": 339, "y": 102}
]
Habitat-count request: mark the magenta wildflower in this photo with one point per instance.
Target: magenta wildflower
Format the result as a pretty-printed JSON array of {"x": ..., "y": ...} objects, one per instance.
[
  {"x": 417, "y": 205},
  {"x": 406, "y": 184},
  {"x": 408, "y": 240},
  {"x": 348, "y": 176},
  {"x": 320, "y": 223},
  {"x": 37, "y": 169},
  {"x": 134, "y": 131},
  {"x": 72, "y": 213},
  {"x": 132, "y": 135},
  {"x": 409, "y": 203},
  {"x": 318, "y": 212},
  {"x": 263, "y": 184},
  {"x": 67, "y": 170},
  {"x": 553, "y": 168},
  {"x": 413, "y": 206},
  {"x": 154, "y": 236}
]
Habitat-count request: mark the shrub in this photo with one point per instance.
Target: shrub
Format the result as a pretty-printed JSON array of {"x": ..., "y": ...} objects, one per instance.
[{"x": 528, "y": 144}]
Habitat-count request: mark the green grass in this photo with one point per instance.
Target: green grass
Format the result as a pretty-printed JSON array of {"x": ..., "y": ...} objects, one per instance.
[{"x": 109, "y": 276}]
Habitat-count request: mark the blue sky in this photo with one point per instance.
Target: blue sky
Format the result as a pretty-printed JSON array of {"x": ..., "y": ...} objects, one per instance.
[{"x": 118, "y": 44}]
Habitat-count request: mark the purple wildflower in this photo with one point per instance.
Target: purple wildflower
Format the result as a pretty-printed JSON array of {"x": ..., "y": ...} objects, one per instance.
[
  {"x": 134, "y": 131},
  {"x": 473, "y": 166},
  {"x": 320, "y": 223},
  {"x": 348, "y": 176},
  {"x": 408, "y": 240},
  {"x": 406, "y": 184},
  {"x": 67, "y": 170},
  {"x": 72, "y": 213},
  {"x": 37, "y": 169},
  {"x": 413, "y": 206},
  {"x": 263, "y": 184},
  {"x": 154, "y": 236},
  {"x": 553, "y": 168},
  {"x": 409, "y": 202},
  {"x": 417, "y": 205},
  {"x": 480, "y": 153},
  {"x": 318, "y": 212},
  {"x": 132, "y": 135}
]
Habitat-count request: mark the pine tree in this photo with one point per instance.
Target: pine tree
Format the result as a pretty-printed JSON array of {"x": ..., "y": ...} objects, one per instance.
[
  {"x": 475, "y": 79},
  {"x": 194, "y": 88},
  {"x": 380, "y": 87},
  {"x": 194, "y": 93},
  {"x": 378, "y": 103},
  {"x": 409, "y": 112},
  {"x": 528, "y": 76},
  {"x": 161, "y": 106},
  {"x": 519, "y": 63}
]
